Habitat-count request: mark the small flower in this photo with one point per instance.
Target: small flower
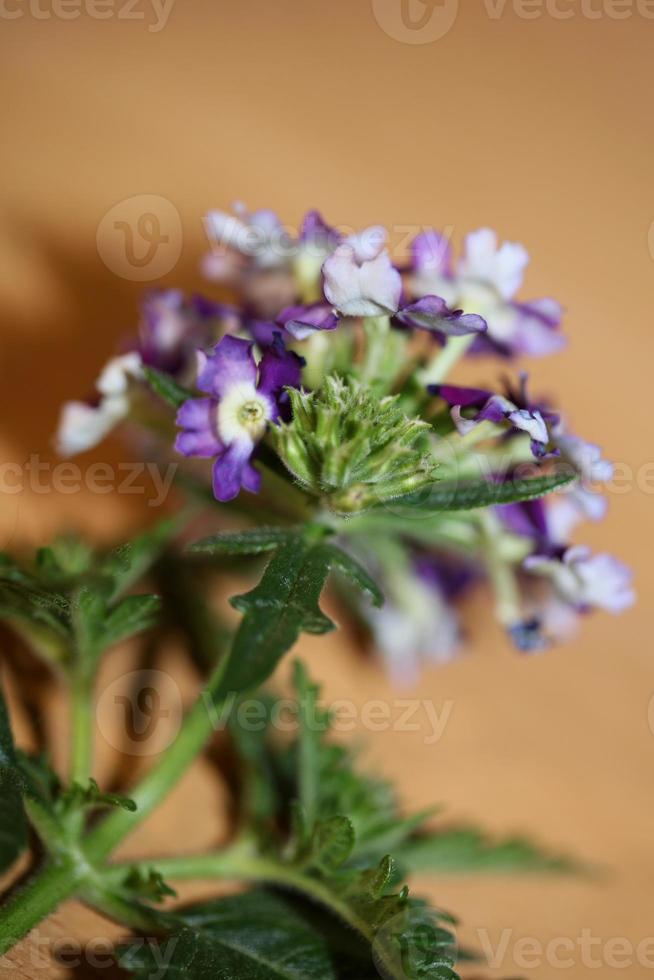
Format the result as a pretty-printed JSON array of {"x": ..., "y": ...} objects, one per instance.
[
  {"x": 360, "y": 286},
  {"x": 243, "y": 398},
  {"x": 432, "y": 313},
  {"x": 83, "y": 425},
  {"x": 586, "y": 457},
  {"x": 520, "y": 415},
  {"x": 172, "y": 327},
  {"x": 587, "y": 581},
  {"x": 259, "y": 236},
  {"x": 486, "y": 279}
]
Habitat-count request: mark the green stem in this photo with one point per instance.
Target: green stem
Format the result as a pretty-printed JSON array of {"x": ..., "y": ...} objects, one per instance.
[
  {"x": 438, "y": 369},
  {"x": 242, "y": 863},
  {"x": 81, "y": 747},
  {"x": 40, "y": 896},
  {"x": 196, "y": 730}
]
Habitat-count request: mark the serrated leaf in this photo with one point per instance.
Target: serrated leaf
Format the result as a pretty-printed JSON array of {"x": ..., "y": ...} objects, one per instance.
[
  {"x": 283, "y": 604},
  {"x": 352, "y": 569},
  {"x": 166, "y": 387},
  {"x": 332, "y": 843},
  {"x": 255, "y": 936},
  {"x": 13, "y": 824},
  {"x": 250, "y": 542},
  {"x": 469, "y": 495},
  {"x": 464, "y": 849}
]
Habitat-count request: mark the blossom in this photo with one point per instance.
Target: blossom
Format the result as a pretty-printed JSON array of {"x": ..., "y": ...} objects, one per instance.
[
  {"x": 173, "y": 326},
  {"x": 518, "y": 412},
  {"x": 361, "y": 286},
  {"x": 258, "y": 236},
  {"x": 433, "y": 313},
  {"x": 485, "y": 280},
  {"x": 586, "y": 457},
  {"x": 243, "y": 398},
  {"x": 587, "y": 581},
  {"x": 82, "y": 425}
]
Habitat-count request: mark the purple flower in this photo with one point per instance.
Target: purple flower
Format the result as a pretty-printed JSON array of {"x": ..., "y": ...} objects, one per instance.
[
  {"x": 359, "y": 285},
  {"x": 302, "y": 321},
  {"x": 517, "y": 411},
  {"x": 172, "y": 327},
  {"x": 432, "y": 313},
  {"x": 258, "y": 236},
  {"x": 243, "y": 398},
  {"x": 486, "y": 279}
]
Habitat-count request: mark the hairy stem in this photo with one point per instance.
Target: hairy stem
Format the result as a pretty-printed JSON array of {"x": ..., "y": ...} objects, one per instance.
[{"x": 37, "y": 899}]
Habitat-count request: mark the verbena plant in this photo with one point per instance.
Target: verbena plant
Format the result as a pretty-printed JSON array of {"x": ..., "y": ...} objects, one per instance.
[{"x": 323, "y": 392}]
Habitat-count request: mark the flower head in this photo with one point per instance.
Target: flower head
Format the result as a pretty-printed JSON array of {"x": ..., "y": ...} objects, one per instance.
[
  {"x": 587, "y": 581},
  {"x": 243, "y": 398}
]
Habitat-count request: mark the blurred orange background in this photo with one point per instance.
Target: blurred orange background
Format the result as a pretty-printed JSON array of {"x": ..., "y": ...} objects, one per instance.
[{"x": 517, "y": 117}]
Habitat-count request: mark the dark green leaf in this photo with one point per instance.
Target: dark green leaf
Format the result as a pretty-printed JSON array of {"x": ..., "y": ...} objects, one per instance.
[
  {"x": 255, "y": 936},
  {"x": 282, "y": 605},
  {"x": 166, "y": 387},
  {"x": 332, "y": 844},
  {"x": 463, "y": 849},
  {"x": 357, "y": 574},
  {"x": 13, "y": 825},
  {"x": 469, "y": 495},
  {"x": 250, "y": 542},
  {"x": 133, "y": 615}
]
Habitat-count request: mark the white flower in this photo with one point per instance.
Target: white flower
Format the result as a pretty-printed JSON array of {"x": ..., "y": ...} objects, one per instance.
[
  {"x": 586, "y": 580},
  {"x": 81, "y": 425},
  {"x": 501, "y": 266}
]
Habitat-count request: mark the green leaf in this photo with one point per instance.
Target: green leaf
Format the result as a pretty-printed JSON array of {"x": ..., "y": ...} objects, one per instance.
[
  {"x": 163, "y": 385},
  {"x": 13, "y": 824},
  {"x": 91, "y": 797},
  {"x": 98, "y": 627},
  {"x": 357, "y": 574},
  {"x": 332, "y": 843},
  {"x": 255, "y": 936},
  {"x": 251, "y": 542},
  {"x": 282, "y": 605},
  {"x": 469, "y": 495},
  {"x": 133, "y": 615},
  {"x": 464, "y": 849}
]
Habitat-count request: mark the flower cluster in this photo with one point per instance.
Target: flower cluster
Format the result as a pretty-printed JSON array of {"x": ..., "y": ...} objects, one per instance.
[{"x": 327, "y": 364}]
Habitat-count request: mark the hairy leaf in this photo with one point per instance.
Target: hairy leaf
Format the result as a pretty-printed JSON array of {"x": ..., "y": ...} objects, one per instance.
[
  {"x": 250, "y": 542},
  {"x": 469, "y": 495},
  {"x": 255, "y": 936}
]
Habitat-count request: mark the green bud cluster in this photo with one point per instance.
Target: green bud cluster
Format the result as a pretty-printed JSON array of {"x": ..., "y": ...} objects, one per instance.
[{"x": 353, "y": 448}]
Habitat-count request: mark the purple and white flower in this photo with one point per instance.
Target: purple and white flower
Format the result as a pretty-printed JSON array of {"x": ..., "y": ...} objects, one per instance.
[
  {"x": 517, "y": 412},
  {"x": 303, "y": 321},
  {"x": 486, "y": 279},
  {"x": 243, "y": 398},
  {"x": 587, "y": 581}
]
